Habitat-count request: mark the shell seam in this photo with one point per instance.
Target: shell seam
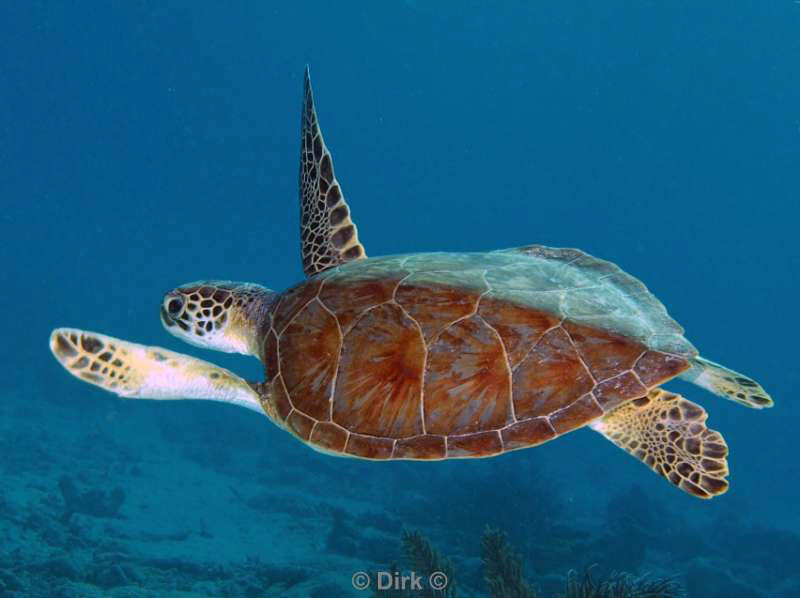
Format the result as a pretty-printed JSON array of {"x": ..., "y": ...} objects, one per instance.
[
  {"x": 338, "y": 360},
  {"x": 508, "y": 368}
]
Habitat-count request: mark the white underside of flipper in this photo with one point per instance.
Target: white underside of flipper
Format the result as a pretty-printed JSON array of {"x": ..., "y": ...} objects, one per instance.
[{"x": 136, "y": 371}]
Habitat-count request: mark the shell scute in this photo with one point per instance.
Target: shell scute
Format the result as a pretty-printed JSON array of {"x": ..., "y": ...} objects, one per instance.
[
  {"x": 615, "y": 391},
  {"x": 329, "y": 436},
  {"x": 576, "y": 414},
  {"x": 482, "y": 444},
  {"x": 300, "y": 424},
  {"x": 311, "y": 343},
  {"x": 349, "y": 302},
  {"x": 379, "y": 382},
  {"x": 270, "y": 353},
  {"x": 551, "y": 376},
  {"x": 283, "y": 406},
  {"x": 369, "y": 447},
  {"x": 292, "y": 301},
  {"x": 604, "y": 353},
  {"x": 529, "y": 432},
  {"x": 421, "y": 447},
  {"x": 519, "y": 327},
  {"x": 467, "y": 380},
  {"x": 654, "y": 367},
  {"x": 434, "y": 308}
]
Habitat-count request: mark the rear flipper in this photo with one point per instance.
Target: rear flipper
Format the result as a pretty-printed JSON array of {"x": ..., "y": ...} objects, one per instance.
[
  {"x": 135, "y": 371},
  {"x": 727, "y": 383},
  {"x": 668, "y": 433}
]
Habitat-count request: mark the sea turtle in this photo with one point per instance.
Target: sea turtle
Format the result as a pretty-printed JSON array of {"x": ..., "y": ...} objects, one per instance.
[{"x": 433, "y": 355}]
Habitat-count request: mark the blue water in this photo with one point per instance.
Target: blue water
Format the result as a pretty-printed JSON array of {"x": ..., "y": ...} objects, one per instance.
[{"x": 148, "y": 144}]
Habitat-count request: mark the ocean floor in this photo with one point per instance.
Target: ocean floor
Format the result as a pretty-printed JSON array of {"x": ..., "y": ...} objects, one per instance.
[{"x": 106, "y": 497}]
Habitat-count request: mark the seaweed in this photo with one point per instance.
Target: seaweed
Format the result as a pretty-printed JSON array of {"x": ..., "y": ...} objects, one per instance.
[
  {"x": 503, "y": 574},
  {"x": 502, "y": 567},
  {"x": 426, "y": 560},
  {"x": 619, "y": 585}
]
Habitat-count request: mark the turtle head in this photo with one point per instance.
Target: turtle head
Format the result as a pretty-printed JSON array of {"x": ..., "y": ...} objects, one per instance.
[{"x": 221, "y": 315}]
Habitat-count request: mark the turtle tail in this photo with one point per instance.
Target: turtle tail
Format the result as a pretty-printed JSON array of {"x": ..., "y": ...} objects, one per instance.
[{"x": 727, "y": 383}]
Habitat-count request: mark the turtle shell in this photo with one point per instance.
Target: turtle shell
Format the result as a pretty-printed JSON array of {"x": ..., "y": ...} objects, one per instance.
[{"x": 442, "y": 355}]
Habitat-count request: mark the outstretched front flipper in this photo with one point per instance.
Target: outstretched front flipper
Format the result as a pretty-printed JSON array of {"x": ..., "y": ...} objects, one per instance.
[
  {"x": 727, "y": 383},
  {"x": 669, "y": 434},
  {"x": 329, "y": 236},
  {"x": 135, "y": 371}
]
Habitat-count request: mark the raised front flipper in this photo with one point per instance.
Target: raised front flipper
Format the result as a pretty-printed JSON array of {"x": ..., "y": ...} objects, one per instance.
[
  {"x": 328, "y": 234},
  {"x": 669, "y": 434},
  {"x": 135, "y": 371}
]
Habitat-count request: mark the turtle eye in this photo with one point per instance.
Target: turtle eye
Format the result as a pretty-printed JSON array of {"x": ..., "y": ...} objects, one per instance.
[{"x": 175, "y": 306}]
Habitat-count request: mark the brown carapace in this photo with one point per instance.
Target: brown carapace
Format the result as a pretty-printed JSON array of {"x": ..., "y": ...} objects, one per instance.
[{"x": 388, "y": 369}]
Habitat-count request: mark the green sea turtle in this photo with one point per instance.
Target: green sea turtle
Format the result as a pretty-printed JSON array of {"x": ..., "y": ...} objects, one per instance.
[{"x": 434, "y": 355}]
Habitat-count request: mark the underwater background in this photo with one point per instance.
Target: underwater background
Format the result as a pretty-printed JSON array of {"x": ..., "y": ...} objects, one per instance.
[{"x": 147, "y": 144}]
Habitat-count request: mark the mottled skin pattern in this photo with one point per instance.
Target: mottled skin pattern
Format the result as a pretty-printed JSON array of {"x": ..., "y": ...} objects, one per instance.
[
  {"x": 202, "y": 311},
  {"x": 668, "y": 434},
  {"x": 329, "y": 236},
  {"x": 452, "y": 355}
]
